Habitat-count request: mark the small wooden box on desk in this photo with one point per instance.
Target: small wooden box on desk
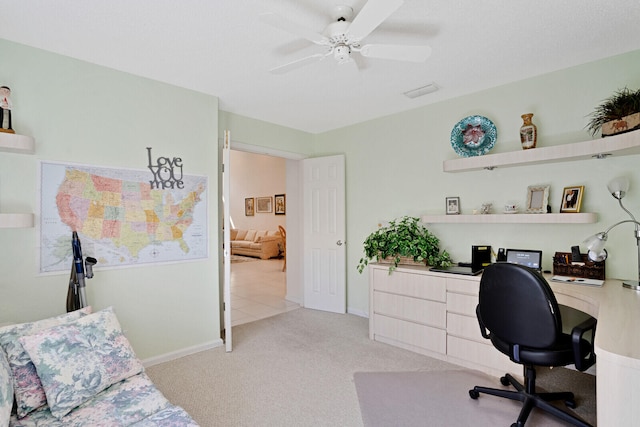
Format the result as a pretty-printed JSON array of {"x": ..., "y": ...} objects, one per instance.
[{"x": 562, "y": 266}]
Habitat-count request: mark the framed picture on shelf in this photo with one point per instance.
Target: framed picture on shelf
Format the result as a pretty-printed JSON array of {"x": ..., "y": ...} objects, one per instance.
[
  {"x": 281, "y": 204},
  {"x": 452, "y": 205},
  {"x": 248, "y": 206},
  {"x": 537, "y": 198},
  {"x": 572, "y": 199},
  {"x": 264, "y": 204}
]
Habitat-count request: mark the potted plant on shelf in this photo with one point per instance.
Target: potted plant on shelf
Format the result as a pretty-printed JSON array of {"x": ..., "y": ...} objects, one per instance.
[
  {"x": 617, "y": 114},
  {"x": 404, "y": 239}
]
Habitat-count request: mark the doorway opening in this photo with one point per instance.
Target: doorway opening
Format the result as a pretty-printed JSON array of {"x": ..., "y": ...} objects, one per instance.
[
  {"x": 259, "y": 287},
  {"x": 258, "y": 290}
]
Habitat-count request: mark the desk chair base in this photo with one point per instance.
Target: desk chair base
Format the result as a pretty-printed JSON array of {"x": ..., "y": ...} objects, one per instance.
[{"x": 527, "y": 394}]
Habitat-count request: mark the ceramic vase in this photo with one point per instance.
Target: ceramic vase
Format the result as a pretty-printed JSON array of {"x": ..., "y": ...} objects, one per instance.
[{"x": 528, "y": 132}]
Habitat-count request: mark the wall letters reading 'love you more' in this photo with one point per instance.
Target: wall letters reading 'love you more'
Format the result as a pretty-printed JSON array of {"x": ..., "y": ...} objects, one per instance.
[{"x": 165, "y": 172}]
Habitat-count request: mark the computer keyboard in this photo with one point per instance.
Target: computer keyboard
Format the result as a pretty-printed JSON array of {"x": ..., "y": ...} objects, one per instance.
[{"x": 578, "y": 280}]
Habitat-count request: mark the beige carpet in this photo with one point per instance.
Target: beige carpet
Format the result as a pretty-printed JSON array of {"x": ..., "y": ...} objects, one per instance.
[
  {"x": 408, "y": 399},
  {"x": 293, "y": 369}
]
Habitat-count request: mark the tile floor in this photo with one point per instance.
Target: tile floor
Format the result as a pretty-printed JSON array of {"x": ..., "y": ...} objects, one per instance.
[{"x": 258, "y": 289}]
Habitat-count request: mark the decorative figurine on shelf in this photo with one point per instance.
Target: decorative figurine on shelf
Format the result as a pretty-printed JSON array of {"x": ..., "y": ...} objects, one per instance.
[
  {"x": 486, "y": 208},
  {"x": 528, "y": 132},
  {"x": 5, "y": 110}
]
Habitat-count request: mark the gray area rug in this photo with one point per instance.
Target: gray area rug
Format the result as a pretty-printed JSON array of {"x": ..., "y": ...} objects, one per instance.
[{"x": 437, "y": 398}]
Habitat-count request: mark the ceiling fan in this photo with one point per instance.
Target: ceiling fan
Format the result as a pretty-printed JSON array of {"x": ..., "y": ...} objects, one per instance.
[{"x": 344, "y": 36}]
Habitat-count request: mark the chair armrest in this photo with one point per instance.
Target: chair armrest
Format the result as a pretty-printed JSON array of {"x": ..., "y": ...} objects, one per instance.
[
  {"x": 583, "y": 360},
  {"x": 483, "y": 329}
]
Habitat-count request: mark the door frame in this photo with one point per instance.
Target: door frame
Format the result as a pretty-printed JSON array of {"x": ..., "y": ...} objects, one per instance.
[
  {"x": 226, "y": 252},
  {"x": 294, "y": 272}
]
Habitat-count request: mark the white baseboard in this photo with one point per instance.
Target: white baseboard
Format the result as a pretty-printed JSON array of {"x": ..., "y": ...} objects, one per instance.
[
  {"x": 181, "y": 353},
  {"x": 358, "y": 312},
  {"x": 294, "y": 300}
]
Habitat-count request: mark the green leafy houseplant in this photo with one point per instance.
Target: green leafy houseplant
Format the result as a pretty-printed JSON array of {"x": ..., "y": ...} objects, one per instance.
[
  {"x": 624, "y": 102},
  {"x": 404, "y": 237}
]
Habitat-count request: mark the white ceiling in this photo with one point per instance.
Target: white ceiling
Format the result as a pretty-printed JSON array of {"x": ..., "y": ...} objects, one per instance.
[{"x": 220, "y": 47}]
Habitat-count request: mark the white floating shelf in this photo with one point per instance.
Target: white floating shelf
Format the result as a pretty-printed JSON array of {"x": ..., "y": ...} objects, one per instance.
[
  {"x": 14, "y": 143},
  {"x": 552, "y": 218},
  {"x": 619, "y": 145},
  {"x": 14, "y": 220}
]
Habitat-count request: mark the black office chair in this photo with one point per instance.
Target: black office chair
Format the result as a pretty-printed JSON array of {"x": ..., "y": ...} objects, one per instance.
[{"x": 518, "y": 312}]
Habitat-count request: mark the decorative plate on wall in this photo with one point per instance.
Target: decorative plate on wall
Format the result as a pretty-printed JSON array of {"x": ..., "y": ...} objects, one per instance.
[{"x": 473, "y": 136}]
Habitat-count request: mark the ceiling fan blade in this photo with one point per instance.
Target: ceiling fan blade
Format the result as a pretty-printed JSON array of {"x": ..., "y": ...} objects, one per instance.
[
  {"x": 396, "y": 52},
  {"x": 372, "y": 15},
  {"x": 298, "y": 63},
  {"x": 293, "y": 28}
]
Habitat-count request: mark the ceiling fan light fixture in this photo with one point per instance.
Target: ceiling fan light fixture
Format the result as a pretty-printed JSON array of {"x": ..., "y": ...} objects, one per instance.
[
  {"x": 342, "y": 53},
  {"x": 424, "y": 90},
  {"x": 345, "y": 34}
]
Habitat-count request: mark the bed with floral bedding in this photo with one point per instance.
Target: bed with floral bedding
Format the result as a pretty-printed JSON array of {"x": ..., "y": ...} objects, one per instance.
[{"x": 78, "y": 369}]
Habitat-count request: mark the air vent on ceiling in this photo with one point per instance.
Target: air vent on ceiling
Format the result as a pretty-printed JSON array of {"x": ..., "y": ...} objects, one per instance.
[{"x": 414, "y": 93}]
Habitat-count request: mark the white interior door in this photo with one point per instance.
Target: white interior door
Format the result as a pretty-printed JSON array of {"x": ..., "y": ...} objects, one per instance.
[
  {"x": 226, "y": 202},
  {"x": 324, "y": 234}
]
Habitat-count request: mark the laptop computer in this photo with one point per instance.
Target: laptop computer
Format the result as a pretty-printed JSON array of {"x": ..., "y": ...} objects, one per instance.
[
  {"x": 458, "y": 269},
  {"x": 526, "y": 257}
]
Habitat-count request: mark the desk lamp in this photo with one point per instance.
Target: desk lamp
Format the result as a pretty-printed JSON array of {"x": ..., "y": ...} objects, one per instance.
[{"x": 595, "y": 244}]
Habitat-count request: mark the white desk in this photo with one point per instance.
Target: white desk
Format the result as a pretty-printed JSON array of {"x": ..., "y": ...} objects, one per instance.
[
  {"x": 617, "y": 346},
  {"x": 617, "y": 342}
]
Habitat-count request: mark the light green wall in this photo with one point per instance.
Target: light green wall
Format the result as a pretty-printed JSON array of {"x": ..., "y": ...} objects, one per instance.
[
  {"x": 394, "y": 168},
  {"x": 264, "y": 134},
  {"x": 88, "y": 114},
  {"x": 84, "y": 113}
]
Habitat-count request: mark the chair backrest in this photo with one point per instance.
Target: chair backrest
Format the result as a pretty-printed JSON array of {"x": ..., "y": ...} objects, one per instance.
[{"x": 518, "y": 306}]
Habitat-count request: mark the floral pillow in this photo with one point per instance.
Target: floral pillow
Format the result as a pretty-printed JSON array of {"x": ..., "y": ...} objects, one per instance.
[
  {"x": 78, "y": 360},
  {"x": 6, "y": 390},
  {"x": 26, "y": 384}
]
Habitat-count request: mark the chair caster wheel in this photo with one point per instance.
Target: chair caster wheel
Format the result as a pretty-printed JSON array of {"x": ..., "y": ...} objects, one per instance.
[
  {"x": 504, "y": 381},
  {"x": 570, "y": 404},
  {"x": 473, "y": 394}
]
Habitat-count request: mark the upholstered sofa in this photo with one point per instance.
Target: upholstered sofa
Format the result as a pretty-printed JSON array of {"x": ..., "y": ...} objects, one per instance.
[
  {"x": 263, "y": 244},
  {"x": 78, "y": 369}
]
